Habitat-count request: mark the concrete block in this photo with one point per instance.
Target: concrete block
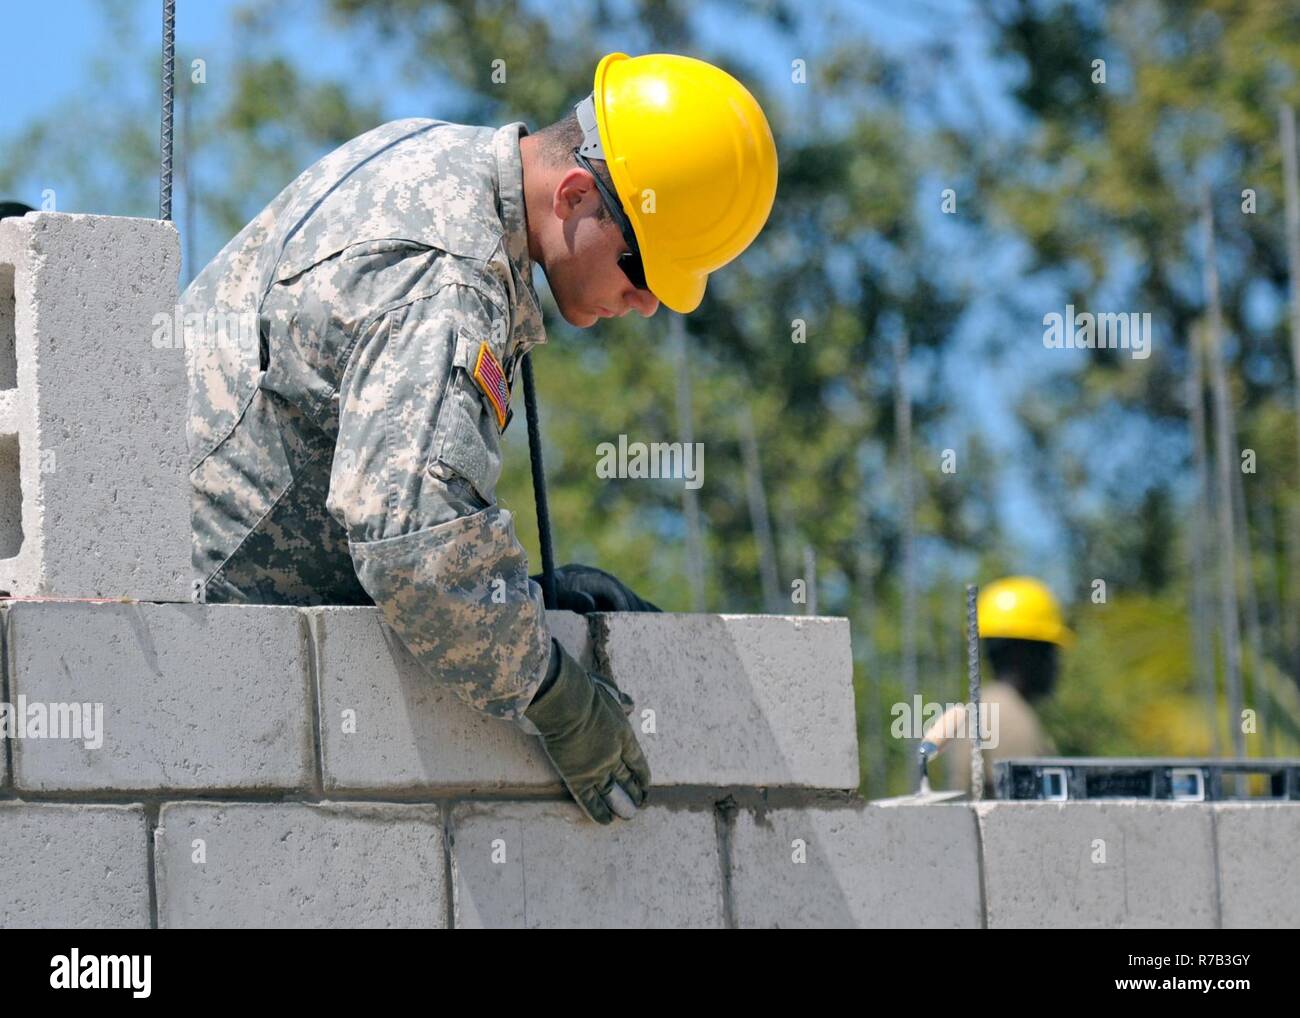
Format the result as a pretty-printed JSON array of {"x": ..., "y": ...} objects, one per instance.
[
  {"x": 4, "y": 696},
  {"x": 1044, "y": 865},
  {"x": 76, "y": 867},
  {"x": 856, "y": 866},
  {"x": 242, "y": 865},
  {"x": 737, "y": 699},
  {"x": 574, "y": 633},
  {"x": 213, "y": 697},
  {"x": 546, "y": 866},
  {"x": 93, "y": 461},
  {"x": 1259, "y": 868},
  {"x": 8, "y": 337},
  {"x": 409, "y": 733}
]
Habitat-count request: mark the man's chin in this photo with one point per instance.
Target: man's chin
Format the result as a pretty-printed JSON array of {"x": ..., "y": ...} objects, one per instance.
[{"x": 579, "y": 319}]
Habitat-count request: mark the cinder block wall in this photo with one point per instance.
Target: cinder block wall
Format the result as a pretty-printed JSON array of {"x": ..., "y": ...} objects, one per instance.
[
  {"x": 302, "y": 753},
  {"x": 264, "y": 766}
]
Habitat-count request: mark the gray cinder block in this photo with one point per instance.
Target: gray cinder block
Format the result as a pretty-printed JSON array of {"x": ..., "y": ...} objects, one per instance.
[
  {"x": 1120, "y": 864},
  {"x": 1259, "y": 868},
  {"x": 4, "y": 696},
  {"x": 213, "y": 697},
  {"x": 546, "y": 866},
  {"x": 73, "y": 866},
  {"x": 294, "y": 865},
  {"x": 743, "y": 700},
  {"x": 93, "y": 459},
  {"x": 387, "y": 726},
  {"x": 737, "y": 699},
  {"x": 858, "y": 866}
]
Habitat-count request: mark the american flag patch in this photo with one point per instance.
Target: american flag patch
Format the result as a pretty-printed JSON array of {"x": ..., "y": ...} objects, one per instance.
[{"x": 492, "y": 380}]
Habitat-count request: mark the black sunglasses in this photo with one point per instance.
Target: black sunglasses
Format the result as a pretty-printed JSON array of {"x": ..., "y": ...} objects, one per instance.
[{"x": 630, "y": 260}]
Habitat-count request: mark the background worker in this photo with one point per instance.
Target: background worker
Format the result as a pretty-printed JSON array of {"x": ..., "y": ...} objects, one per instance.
[{"x": 1022, "y": 632}]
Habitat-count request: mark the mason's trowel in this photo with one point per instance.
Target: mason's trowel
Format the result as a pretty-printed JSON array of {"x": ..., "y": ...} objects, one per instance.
[{"x": 933, "y": 742}]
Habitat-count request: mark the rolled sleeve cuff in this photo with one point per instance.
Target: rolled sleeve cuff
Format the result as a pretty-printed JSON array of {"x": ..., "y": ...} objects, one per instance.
[{"x": 458, "y": 595}]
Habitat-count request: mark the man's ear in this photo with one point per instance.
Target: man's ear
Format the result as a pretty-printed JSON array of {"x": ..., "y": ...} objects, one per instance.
[{"x": 575, "y": 189}]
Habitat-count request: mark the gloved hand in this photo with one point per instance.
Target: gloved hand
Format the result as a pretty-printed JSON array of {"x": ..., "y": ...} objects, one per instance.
[
  {"x": 582, "y": 719},
  {"x": 585, "y": 589}
]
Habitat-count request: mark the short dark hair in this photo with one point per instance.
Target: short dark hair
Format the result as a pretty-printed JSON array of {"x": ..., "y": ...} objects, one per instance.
[{"x": 556, "y": 144}]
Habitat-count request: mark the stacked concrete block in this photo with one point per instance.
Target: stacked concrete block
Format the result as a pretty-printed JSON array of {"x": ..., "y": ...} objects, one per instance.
[
  {"x": 732, "y": 700},
  {"x": 737, "y": 699},
  {"x": 387, "y": 727},
  {"x": 11, "y": 492},
  {"x": 93, "y": 488},
  {"x": 545, "y": 866},
  {"x": 856, "y": 867},
  {"x": 5, "y": 741},
  {"x": 294, "y": 865},
  {"x": 210, "y": 697},
  {"x": 1259, "y": 866},
  {"x": 1121, "y": 864},
  {"x": 73, "y": 866}
]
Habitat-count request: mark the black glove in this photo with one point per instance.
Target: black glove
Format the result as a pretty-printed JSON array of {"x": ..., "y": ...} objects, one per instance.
[{"x": 584, "y": 589}]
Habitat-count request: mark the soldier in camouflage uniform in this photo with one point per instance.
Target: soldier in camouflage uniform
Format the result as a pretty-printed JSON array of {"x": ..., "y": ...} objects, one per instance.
[{"x": 352, "y": 353}]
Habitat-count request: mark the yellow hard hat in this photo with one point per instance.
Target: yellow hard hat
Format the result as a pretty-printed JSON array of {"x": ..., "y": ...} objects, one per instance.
[
  {"x": 692, "y": 160},
  {"x": 1021, "y": 608}
]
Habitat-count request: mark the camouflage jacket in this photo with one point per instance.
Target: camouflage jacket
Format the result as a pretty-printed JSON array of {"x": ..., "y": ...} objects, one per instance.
[{"x": 341, "y": 449}]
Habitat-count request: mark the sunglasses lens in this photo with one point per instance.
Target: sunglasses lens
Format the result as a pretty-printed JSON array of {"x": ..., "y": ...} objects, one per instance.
[{"x": 632, "y": 268}]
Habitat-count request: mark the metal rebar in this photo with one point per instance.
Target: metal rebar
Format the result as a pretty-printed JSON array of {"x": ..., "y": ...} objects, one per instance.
[
  {"x": 907, "y": 553},
  {"x": 757, "y": 496},
  {"x": 865, "y": 641},
  {"x": 168, "y": 99},
  {"x": 1259, "y": 698},
  {"x": 1202, "y": 596},
  {"x": 973, "y": 680},
  {"x": 1291, "y": 182},
  {"x": 1225, "y": 462},
  {"x": 1291, "y": 179},
  {"x": 539, "y": 486}
]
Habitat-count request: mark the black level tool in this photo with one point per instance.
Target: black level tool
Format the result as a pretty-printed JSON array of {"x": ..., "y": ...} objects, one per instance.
[{"x": 1184, "y": 780}]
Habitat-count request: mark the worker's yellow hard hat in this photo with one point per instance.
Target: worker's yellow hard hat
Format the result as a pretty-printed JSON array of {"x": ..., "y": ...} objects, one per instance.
[
  {"x": 1021, "y": 608},
  {"x": 692, "y": 160}
]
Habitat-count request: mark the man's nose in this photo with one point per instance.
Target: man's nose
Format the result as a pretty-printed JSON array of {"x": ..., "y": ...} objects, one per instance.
[{"x": 643, "y": 301}]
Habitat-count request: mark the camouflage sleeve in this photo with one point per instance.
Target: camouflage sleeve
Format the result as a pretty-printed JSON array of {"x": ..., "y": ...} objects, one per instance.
[{"x": 413, "y": 482}]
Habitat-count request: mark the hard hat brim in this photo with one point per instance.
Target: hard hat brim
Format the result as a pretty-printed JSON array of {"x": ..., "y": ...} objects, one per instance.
[{"x": 680, "y": 291}]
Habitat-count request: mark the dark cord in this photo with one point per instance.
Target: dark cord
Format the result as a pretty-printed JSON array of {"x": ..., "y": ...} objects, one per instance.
[{"x": 539, "y": 486}]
